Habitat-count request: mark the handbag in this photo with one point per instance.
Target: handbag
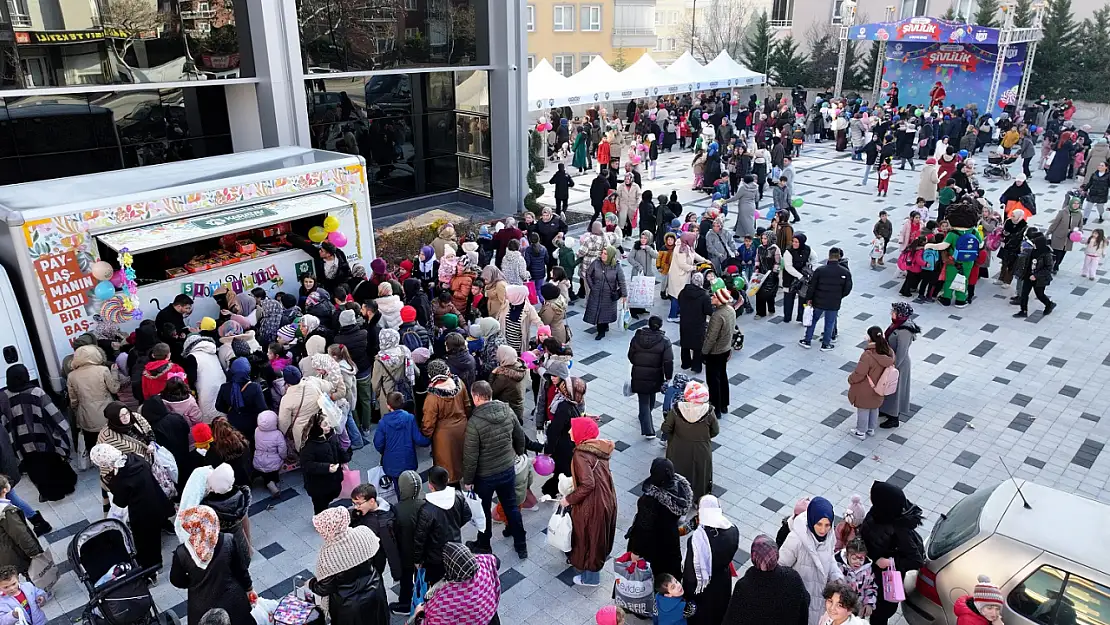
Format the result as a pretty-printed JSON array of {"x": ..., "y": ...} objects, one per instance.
[
  {"x": 560, "y": 529},
  {"x": 533, "y": 299},
  {"x": 893, "y": 589},
  {"x": 807, "y": 315},
  {"x": 351, "y": 479},
  {"x": 165, "y": 459},
  {"x": 42, "y": 572},
  {"x": 292, "y": 611},
  {"x": 387, "y": 489},
  {"x": 959, "y": 283},
  {"x": 634, "y": 587}
]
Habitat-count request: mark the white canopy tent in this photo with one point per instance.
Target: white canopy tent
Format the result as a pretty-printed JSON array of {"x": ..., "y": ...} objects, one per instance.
[
  {"x": 644, "y": 79},
  {"x": 546, "y": 87},
  {"x": 724, "y": 69},
  {"x": 596, "y": 75}
]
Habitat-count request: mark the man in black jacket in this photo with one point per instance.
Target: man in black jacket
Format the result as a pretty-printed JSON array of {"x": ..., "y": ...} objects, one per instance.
[
  {"x": 828, "y": 287},
  {"x": 599, "y": 189},
  {"x": 439, "y": 522},
  {"x": 563, "y": 182}
]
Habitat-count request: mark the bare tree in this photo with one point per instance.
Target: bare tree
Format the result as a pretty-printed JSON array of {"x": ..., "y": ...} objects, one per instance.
[
  {"x": 715, "y": 26},
  {"x": 129, "y": 20},
  {"x": 353, "y": 30}
]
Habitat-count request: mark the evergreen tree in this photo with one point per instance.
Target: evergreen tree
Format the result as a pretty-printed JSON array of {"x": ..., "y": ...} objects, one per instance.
[
  {"x": 788, "y": 65},
  {"x": 1023, "y": 13},
  {"x": 853, "y": 70},
  {"x": 1053, "y": 67},
  {"x": 867, "y": 72},
  {"x": 986, "y": 14},
  {"x": 619, "y": 63},
  {"x": 950, "y": 14},
  {"x": 824, "y": 53},
  {"x": 758, "y": 45},
  {"x": 1094, "y": 40}
]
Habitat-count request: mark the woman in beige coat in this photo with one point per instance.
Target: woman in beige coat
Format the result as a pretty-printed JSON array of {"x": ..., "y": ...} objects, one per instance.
[
  {"x": 927, "y": 185},
  {"x": 876, "y": 357},
  {"x": 494, "y": 290},
  {"x": 628, "y": 202},
  {"x": 553, "y": 313},
  {"x": 92, "y": 386},
  {"x": 517, "y": 315},
  {"x": 683, "y": 263}
]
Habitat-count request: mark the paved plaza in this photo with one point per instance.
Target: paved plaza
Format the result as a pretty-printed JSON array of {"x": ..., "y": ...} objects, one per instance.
[{"x": 987, "y": 389}]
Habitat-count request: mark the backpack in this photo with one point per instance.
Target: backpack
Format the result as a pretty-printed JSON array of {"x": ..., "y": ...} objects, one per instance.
[
  {"x": 930, "y": 257},
  {"x": 402, "y": 386},
  {"x": 994, "y": 240},
  {"x": 967, "y": 248},
  {"x": 905, "y": 260},
  {"x": 887, "y": 384},
  {"x": 411, "y": 340}
]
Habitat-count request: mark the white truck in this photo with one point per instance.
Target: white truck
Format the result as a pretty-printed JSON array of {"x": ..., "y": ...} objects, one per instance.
[{"x": 190, "y": 227}]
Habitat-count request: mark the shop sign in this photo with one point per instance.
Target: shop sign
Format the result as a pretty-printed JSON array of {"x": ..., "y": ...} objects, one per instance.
[
  {"x": 238, "y": 283},
  {"x": 225, "y": 61},
  {"x": 63, "y": 281},
  {"x": 41, "y": 37},
  {"x": 231, "y": 218}
]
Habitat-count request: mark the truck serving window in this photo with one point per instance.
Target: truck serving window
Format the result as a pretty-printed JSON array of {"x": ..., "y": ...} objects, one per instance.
[
  {"x": 173, "y": 249},
  {"x": 960, "y": 524}
]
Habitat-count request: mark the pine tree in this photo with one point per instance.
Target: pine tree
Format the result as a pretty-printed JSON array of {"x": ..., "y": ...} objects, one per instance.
[
  {"x": 788, "y": 65},
  {"x": 950, "y": 14},
  {"x": 867, "y": 72},
  {"x": 1094, "y": 40},
  {"x": 1053, "y": 67},
  {"x": 986, "y": 14},
  {"x": 824, "y": 53},
  {"x": 758, "y": 45},
  {"x": 619, "y": 63},
  {"x": 853, "y": 72},
  {"x": 1023, "y": 13}
]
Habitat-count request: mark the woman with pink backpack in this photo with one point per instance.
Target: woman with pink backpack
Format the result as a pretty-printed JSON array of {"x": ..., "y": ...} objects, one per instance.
[{"x": 869, "y": 383}]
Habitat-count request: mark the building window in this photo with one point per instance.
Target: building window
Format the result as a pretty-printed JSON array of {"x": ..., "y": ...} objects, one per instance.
[
  {"x": 634, "y": 20},
  {"x": 666, "y": 44},
  {"x": 587, "y": 58},
  {"x": 564, "y": 18},
  {"x": 837, "y": 18},
  {"x": 782, "y": 11},
  {"x": 412, "y": 33},
  {"x": 912, "y": 8},
  {"x": 591, "y": 18},
  {"x": 410, "y": 5},
  {"x": 564, "y": 64},
  {"x": 531, "y": 62},
  {"x": 530, "y": 18}
]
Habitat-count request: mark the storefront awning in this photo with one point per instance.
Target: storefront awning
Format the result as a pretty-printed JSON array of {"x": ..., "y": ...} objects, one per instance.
[{"x": 213, "y": 225}]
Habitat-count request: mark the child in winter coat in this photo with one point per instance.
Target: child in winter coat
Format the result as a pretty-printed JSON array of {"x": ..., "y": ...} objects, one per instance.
[
  {"x": 670, "y": 607},
  {"x": 886, "y": 172},
  {"x": 1096, "y": 250},
  {"x": 883, "y": 231},
  {"x": 856, "y": 569},
  {"x": 448, "y": 267},
  {"x": 20, "y": 597},
  {"x": 269, "y": 450},
  {"x": 983, "y": 607},
  {"x": 747, "y": 253},
  {"x": 565, "y": 256},
  {"x": 846, "y": 530},
  {"x": 560, "y": 279},
  {"x": 397, "y": 437},
  {"x": 158, "y": 371},
  {"x": 178, "y": 399}
]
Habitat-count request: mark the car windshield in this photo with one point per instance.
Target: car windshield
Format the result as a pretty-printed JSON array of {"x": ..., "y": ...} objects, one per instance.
[{"x": 960, "y": 524}]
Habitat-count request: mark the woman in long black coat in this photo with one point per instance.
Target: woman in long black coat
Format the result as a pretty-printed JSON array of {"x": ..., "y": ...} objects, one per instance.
[
  {"x": 653, "y": 535},
  {"x": 209, "y": 567},
  {"x": 652, "y": 361},
  {"x": 133, "y": 486},
  {"x": 694, "y": 307},
  {"x": 321, "y": 458},
  {"x": 890, "y": 533},
  {"x": 1061, "y": 163},
  {"x": 707, "y": 574}
]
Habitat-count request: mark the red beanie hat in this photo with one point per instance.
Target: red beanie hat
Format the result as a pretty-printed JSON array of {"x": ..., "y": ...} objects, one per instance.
[
  {"x": 583, "y": 429},
  {"x": 202, "y": 433},
  {"x": 408, "y": 314}
]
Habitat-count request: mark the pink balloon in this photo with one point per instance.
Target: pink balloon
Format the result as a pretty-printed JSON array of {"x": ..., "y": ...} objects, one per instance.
[
  {"x": 337, "y": 238},
  {"x": 758, "y": 215},
  {"x": 119, "y": 278},
  {"x": 1075, "y": 236},
  {"x": 705, "y": 116},
  {"x": 544, "y": 465},
  {"x": 549, "y": 126},
  {"x": 529, "y": 358}
]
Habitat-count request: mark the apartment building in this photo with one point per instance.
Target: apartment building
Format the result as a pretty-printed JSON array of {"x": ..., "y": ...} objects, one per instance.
[
  {"x": 570, "y": 34},
  {"x": 672, "y": 19}
]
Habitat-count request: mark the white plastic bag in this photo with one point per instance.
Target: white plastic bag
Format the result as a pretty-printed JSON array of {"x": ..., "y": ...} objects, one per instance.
[
  {"x": 641, "y": 292},
  {"x": 477, "y": 513},
  {"x": 959, "y": 283},
  {"x": 387, "y": 489},
  {"x": 560, "y": 529},
  {"x": 164, "y": 459},
  {"x": 263, "y": 611},
  {"x": 807, "y": 315}
]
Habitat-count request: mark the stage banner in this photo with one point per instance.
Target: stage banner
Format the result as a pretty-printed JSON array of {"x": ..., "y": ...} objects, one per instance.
[
  {"x": 964, "y": 70},
  {"x": 926, "y": 30}
]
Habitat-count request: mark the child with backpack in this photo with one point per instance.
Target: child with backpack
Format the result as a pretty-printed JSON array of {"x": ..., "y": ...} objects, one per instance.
[
  {"x": 397, "y": 437},
  {"x": 912, "y": 262},
  {"x": 868, "y": 384},
  {"x": 797, "y": 138}
]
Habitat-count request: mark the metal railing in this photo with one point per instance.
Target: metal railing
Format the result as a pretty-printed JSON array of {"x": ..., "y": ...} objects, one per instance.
[
  {"x": 634, "y": 30},
  {"x": 20, "y": 18},
  {"x": 782, "y": 23},
  {"x": 198, "y": 14}
]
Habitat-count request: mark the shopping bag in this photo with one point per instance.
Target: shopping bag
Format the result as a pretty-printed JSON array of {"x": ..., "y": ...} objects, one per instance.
[
  {"x": 893, "y": 590},
  {"x": 641, "y": 292},
  {"x": 351, "y": 479},
  {"x": 419, "y": 589},
  {"x": 477, "y": 513},
  {"x": 165, "y": 459},
  {"x": 634, "y": 590},
  {"x": 292, "y": 611},
  {"x": 263, "y": 611},
  {"x": 959, "y": 283},
  {"x": 807, "y": 315},
  {"x": 533, "y": 299},
  {"x": 42, "y": 571},
  {"x": 560, "y": 529},
  {"x": 624, "y": 316},
  {"x": 387, "y": 490},
  {"x": 755, "y": 282}
]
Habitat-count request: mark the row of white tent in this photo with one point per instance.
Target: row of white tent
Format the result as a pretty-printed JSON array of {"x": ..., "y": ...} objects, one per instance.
[{"x": 598, "y": 82}]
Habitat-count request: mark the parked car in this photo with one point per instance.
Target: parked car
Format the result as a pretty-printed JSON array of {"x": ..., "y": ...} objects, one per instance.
[{"x": 1050, "y": 558}]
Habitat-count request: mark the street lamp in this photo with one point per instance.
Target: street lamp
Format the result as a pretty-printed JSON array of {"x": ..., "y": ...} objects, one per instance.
[{"x": 693, "y": 25}]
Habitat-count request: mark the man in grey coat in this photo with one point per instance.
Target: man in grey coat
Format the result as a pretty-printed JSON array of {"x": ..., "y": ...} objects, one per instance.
[{"x": 747, "y": 192}]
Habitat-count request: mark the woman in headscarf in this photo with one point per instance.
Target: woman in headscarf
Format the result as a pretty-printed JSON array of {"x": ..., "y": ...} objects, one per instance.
[
  {"x": 128, "y": 432},
  {"x": 518, "y": 318},
  {"x": 890, "y": 533},
  {"x": 393, "y": 368},
  {"x": 347, "y": 586},
  {"x": 268, "y": 314},
  {"x": 131, "y": 481},
  {"x": 605, "y": 280},
  {"x": 695, "y": 305},
  {"x": 39, "y": 434},
  {"x": 495, "y": 290},
  {"x": 809, "y": 551},
  {"x": 653, "y": 535},
  {"x": 684, "y": 261},
  {"x": 427, "y": 268},
  {"x": 91, "y": 385},
  {"x": 300, "y": 402},
  {"x": 235, "y": 340},
  {"x": 1013, "y": 233},
  {"x": 444, "y": 420},
  {"x": 488, "y": 330},
  {"x": 719, "y": 244},
  {"x": 768, "y": 593},
  {"x": 171, "y": 430},
  {"x": 1062, "y": 160},
  {"x": 593, "y": 503},
  {"x": 689, "y": 426},
  {"x": 241, "y": 399},
  {"x": 507, "y": 380},
  {"x": 900, "y": 334},
  {"x": 566, "y": 406},
  {"x": 231, "y": 502},
  {"x": 204, "y": 373},
  {"x": 322, "y": 460},
  {"x": 469, "y": 592},
  {"x": 707, "y": 575},
  {"x": 210, "y": 568}
]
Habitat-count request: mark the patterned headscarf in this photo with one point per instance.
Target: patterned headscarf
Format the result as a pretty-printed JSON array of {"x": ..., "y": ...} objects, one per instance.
[
  {"x": 420, "y": 355},
  {"x": 203, "y": 527},
  {"x": 437, "y": 368},
  {"x": 231, "y": 328},
  {"x": 332, "y": 523},
  {"x": 765, "y": 553},
  {"x": 695, "y": 393},
  {"x": 388, "y": 339},
  {"x": 459, "y": 564},
  {"x": 107, "y": 457},
  {"x": 902, "y": 310}
]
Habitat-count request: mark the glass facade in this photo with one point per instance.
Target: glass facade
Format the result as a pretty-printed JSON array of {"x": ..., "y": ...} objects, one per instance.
[
  {"x": 55, "y": 43},
  {"x": 367, "y": 35},
  {"x": 420, "y": 133},
  {"x": 55, "y": 136}
]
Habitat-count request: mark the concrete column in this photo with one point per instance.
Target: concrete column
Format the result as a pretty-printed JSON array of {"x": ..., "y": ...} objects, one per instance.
[
  {"x": 280, "y": 93},
  {"x": 508, "y": 82},
  {"x": 244, "y": 116}
]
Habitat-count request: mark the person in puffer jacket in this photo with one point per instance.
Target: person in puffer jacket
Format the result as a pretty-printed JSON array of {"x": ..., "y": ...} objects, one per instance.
[
  {"x": 269, "y": 450},
  {"x": 231, "y": 505},
  {"x": 159, "y": 370},
  {"x": 984, "y": 606},
  {"x": 397, "y": 438},
  {"x": 535, "y": 258},
  {"x": 389, "y": 305}
]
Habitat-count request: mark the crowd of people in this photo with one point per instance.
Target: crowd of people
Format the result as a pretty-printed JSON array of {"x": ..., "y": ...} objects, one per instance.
[{"x": 465, "y": 346}]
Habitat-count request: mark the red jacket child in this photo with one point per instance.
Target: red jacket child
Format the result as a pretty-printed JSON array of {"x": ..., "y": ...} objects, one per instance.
[
  {"x": 158, "y": 371},
  {"x": 885, "y": 172},
  {"x": 984, "y": 607}
]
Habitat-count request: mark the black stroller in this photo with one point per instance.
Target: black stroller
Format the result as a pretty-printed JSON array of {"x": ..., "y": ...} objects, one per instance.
[
  {"x": 998, "y": 165},
  {"x": 103, "y": 556}
]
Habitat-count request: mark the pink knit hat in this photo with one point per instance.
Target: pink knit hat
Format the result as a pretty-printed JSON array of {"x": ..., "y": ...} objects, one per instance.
[
  {"x": 801, "y": 506},
  {"x": 607, "y": 615}
]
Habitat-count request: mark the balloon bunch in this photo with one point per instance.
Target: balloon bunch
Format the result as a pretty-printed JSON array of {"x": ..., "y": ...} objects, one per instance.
[
  {"x": 130, "y": 287},
  {"x": 329, "y": 232},
  {"x": 543, "y": 125}
]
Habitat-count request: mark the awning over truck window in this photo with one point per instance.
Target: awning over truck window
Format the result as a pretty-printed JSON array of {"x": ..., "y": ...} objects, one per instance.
[{"x": 213, "y": 225}]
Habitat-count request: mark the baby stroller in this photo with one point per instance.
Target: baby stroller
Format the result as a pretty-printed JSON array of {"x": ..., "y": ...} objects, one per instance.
[
  {"x": 998, "y": 165},
  {"x": 103, "y": 556}
]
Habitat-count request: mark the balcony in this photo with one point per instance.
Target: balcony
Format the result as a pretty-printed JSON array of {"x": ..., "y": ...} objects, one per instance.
[
  {"x": 634, "y": 37},
  {"x": 782, "y": 24},
  {"x": 20, "y": 18},
  {"x": 199, "y": 14}
]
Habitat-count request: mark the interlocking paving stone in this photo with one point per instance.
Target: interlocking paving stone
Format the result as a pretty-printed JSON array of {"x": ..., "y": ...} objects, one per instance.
[
  {"x": 963, "y": 488},
  {"x": 1040, "y": 342},
  {"x": 944, "y": 380},
  {"x": 739, "y": 378},
  {"x": 797, "y": 376},
  {"x": 1085, "y": 316},
  {"x": 1016, "y": 366},
  {"x": 933, "y": 358},
  {"x": 966, "y": 459},
  {"x": 837, "y": 417},
  {"x": 782, "y": 398},
  {"x": 1069, "y": 391},
  {"x": 901, "y": 478},
  {"x": 897, "y": 439},
  {"x": 620, "y": 445},
  {"x": 1001, "y": 380},
  {"x": 1033, "y": 462},
  {"x": 271, "y": 550},
  {"x": 744, "y": 410},
  {"x": 983, "y": 348},
  {"x": 958, "y": 422},
  {"x": 1090, "y": 417},
  {"x": 850, "y": 460},
  {"x": 772, "y": 504},
  {"x": 1020, "y": 400},
  {"x": 589, "y": 360},
  {"x": 510, "y": 578},
  {"x": 776, "y": 463},
  {"x": 1087, "y": 454},
  {"x": 934, "y": 333},
  {"x": 772, "y": 434},
  {"x": 1022, "y": 422},
  {"x": 990, "y": 327},
  {"x": 766, "y": 351},
  {"x": 1057, "y": 362}
]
